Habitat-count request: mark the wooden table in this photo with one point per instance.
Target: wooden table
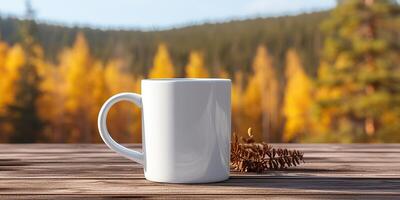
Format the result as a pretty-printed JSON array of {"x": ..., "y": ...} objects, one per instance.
[{"x": 85, "y": 170}]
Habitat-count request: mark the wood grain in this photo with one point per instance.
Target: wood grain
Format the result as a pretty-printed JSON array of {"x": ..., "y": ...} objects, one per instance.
[{"x": 61, "y": 171}]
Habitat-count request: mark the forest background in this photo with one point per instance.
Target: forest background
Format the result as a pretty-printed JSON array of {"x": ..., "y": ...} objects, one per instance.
[{"x": 330, "y": 76}]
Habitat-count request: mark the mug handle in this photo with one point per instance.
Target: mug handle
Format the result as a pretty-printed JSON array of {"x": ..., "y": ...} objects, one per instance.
[{"x": 102, "y": 125}]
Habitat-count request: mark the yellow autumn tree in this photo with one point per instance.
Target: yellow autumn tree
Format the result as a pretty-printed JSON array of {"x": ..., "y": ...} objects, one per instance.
[
  {"x": 237, "y": 104},
  {"x": 195, "y": 68},
  {"x": 3, "y": 53},
  {"x": 98, "y": 95},
  {"x": 14, "y": 61},
  {"x": 297, "y": 100},
  {"x": 221, "y": 73},
  {"x": 269, "y": 88},
  {"x": 48, "y": 103},
  {"x": 251, "y": 108},
  {"x": 77, "y": 65},
  {"x": 74, "y": 92},
  {"x": 4, "y": 71},
  {"x": 51, "y": 103},
  {"x": 261, "y": 99},
  {"x": 162, "y": 64},
  {"x": 5, "y": 96},
  {"x": 124, "y": 117}
]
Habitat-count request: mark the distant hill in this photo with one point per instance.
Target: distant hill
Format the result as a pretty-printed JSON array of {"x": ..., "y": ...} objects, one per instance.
[{"x": 230, "y": 45}]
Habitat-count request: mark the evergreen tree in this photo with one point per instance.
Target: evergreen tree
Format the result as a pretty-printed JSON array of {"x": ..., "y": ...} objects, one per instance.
[
  {"x": 22, "y": 112},
  {"x": 361, "y": 78}
]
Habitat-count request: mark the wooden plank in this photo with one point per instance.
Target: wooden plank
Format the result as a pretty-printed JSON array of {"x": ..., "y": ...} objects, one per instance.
[
  {"x": 230, "y": 187},
  {"x": 105, "y": 163},
  {"x": 65, "y": 170},
  {"x": 207, "y": 197},
  {"x": 133, "y": 170},
  {"x": 113, "y": 157},
  {"x": 102, "y": 147}
]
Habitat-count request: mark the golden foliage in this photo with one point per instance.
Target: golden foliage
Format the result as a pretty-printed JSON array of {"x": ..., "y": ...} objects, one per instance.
[
  {"x": 195, "y": 67},
  {"x": 4, "y": 89},
  {"x": 76, "y": 64},
  {"x": 13, "y": 60},
  {"x": 4, "y": 72},
  {"x": 251, "y": 107},
  {"x": 51, "y": 103},
  {"x": 269, "y": 89},
  {"x": 98, "y": 95},
  {"x": 73, "y": 91},
  {"x": 124, "y": 118},
  {"x": 221, "y": 73},
  {"x": 162, "y": 65},
  {"x": 259, "y": 102},
  {"x": 297, "y": 101},
  {"x": 237, "y": 103},
  {"x": 3, "y": 55}
]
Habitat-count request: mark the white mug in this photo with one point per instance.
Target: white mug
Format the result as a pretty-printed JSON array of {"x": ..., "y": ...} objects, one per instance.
[{"x": 186, "y": 129}]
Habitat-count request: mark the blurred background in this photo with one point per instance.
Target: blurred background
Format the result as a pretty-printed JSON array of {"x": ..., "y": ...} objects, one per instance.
[{"x": 302, "y": 71}]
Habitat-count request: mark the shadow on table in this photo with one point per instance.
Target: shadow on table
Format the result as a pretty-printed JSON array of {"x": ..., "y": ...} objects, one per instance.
[{"x": 317, "y": 180}]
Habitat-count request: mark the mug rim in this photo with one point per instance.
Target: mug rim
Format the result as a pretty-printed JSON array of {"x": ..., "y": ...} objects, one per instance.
[{"x": 186, "y": 79}]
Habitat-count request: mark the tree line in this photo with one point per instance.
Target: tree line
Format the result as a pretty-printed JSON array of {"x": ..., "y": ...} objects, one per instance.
[{"x": 222, "y": 47}]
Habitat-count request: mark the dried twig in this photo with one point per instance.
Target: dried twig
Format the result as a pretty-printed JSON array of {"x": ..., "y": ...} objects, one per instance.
[{"x": 260, "y": 157}]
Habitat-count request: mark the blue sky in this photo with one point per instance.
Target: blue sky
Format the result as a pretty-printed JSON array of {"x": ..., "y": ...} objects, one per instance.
[{"x": 154, "y": 14}]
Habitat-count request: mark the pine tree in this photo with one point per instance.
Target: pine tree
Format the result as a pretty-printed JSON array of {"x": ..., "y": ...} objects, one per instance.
[
  {"x": 297, "y": 100},
  {"x": 22, "y": 112},
  {"x": 162, "y": 65},
  {"x": 195, "y": 67},
  {"x": 362, "y": 74}
]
